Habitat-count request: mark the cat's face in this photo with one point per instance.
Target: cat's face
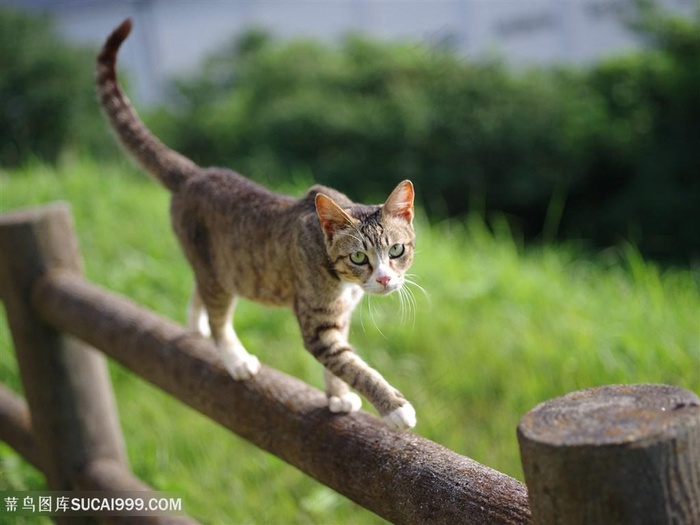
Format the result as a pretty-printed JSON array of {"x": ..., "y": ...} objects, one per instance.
[{"x": 368, "y": 245}]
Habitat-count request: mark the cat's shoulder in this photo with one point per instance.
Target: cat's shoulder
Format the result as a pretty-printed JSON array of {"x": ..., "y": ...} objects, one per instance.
[{"x": 340, "y": 198}]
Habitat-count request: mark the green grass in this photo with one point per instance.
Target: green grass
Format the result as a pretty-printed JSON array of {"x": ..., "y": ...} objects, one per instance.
[{"x": 504, "y": 328}]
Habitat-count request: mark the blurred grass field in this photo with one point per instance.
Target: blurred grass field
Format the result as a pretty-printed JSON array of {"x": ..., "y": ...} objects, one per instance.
[{"x": 504, "y": 328}]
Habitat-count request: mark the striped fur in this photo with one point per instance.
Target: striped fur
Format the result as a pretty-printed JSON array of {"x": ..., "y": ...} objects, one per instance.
[{"x": 316, "y": 255}]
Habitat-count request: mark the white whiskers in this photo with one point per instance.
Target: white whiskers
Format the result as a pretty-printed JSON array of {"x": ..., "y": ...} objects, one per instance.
[
  {"x": 408, "y": 304},
  {"x": 373, "y": 317},
  {"x": 410, "y": 278},
  {"x": 407, "y": 298}
]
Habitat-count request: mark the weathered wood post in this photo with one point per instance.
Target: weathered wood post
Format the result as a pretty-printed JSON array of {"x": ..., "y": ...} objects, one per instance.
[
  {"x": 66, "y": 383},
  {"x": 620, "y": 454}
]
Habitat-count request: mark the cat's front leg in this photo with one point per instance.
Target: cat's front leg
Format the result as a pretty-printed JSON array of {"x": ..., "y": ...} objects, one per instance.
[
  {"x": 403, "y": 417},
  {"x": 340, "y": 399},
  {"x": 327, "y": 342}
]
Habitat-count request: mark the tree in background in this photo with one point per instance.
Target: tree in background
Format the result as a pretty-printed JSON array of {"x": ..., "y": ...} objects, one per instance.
[
  {"x": 604, "y": 153},
  {"x": 47, "y": 101}
]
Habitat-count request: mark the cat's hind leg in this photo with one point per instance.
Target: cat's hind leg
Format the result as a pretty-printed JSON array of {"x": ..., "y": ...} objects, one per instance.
[
  {"x": 219, "y": 309},
  {"x": 197, "y": 318},
  {"x": 239, "y": 363}
]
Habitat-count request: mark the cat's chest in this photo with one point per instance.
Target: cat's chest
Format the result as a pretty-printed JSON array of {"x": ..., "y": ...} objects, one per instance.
[{"x": 350, "y": 295}]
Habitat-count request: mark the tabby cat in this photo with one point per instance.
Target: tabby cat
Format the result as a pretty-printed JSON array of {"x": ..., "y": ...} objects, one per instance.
[{"x": 317, "y": 254}]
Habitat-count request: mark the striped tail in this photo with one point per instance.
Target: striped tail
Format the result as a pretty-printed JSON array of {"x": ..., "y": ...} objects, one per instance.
[{"x": 166, "y": 165}]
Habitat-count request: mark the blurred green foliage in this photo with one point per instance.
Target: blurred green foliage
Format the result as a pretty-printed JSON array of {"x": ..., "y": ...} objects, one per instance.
[
  {"x": 604, "y": 153},
  {"x": 47, "y": 100}
]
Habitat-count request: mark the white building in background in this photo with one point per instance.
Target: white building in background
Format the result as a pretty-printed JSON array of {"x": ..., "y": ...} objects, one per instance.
[{"x": 171, "y": 37}]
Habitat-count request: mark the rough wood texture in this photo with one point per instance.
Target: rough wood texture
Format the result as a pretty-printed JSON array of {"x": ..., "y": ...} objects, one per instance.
[
  {"x": 16, "y": 427},
  {"x": 100, "y": 475},
  {"x": 621, "y": 454},
  {"x": 66, "y": 383},
  {"x": 400, "y": 476}
]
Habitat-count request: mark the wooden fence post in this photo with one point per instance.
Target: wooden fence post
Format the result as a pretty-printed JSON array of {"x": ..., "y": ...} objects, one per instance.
[
  {"x": 619, "y": 454},
  {"x": 66, "y": 383}
]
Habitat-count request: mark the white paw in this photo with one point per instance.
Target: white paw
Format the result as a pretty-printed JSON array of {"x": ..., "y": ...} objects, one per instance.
[
  {"x": 402, "y": 418},
  {"x": 346, "y": 403},
  {"x": 242, "y": 368}
]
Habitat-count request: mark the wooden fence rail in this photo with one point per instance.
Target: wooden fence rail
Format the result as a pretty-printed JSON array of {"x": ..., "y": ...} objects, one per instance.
[{"x": 400, "y": 476}]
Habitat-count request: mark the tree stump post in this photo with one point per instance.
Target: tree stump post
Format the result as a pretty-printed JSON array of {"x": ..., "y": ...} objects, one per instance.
[
  {"x": 619, "y": 454},
  {"x": 66, "y": 383}
]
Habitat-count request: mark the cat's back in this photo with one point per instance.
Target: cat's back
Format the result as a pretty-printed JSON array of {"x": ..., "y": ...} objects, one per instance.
[
  {"x": 250, "y": 240},
  {"x": 229, "y": 213},
  {"x": 222, "y": 190}
]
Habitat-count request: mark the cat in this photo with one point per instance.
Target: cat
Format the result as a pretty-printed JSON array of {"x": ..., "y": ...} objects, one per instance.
[{"x": 317, "y": 254}]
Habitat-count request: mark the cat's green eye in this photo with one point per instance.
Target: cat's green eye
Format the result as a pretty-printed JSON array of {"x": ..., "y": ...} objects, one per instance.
[
  {"x": 396, "y": 251},
  {"x": 358, "y": 258}
]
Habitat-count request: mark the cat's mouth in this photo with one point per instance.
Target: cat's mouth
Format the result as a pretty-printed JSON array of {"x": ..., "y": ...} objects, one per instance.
[{"x": 381, "y": 289}]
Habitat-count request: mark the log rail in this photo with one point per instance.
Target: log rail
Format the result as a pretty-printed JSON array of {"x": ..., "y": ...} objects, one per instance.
[{"x": 69, "y": 427}]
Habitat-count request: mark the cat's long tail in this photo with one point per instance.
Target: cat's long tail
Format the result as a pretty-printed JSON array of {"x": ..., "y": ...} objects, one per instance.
[{"x": 166, "y": 165}]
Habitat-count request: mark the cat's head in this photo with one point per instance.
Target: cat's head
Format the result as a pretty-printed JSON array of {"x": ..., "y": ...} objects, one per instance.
[{"x": 371, "y": 246}]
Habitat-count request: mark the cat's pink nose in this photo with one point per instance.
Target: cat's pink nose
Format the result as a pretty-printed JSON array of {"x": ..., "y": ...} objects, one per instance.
[{"x": 384, "y": 280}]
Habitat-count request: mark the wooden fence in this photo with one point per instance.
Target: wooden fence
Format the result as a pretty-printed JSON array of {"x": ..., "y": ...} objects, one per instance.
[{"x": 625, "y": 454}]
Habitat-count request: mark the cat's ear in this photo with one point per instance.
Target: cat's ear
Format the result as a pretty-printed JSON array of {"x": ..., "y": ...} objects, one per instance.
[
  {"x": 333, "y": 218},
  {"x": 400, "y": 202}
]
